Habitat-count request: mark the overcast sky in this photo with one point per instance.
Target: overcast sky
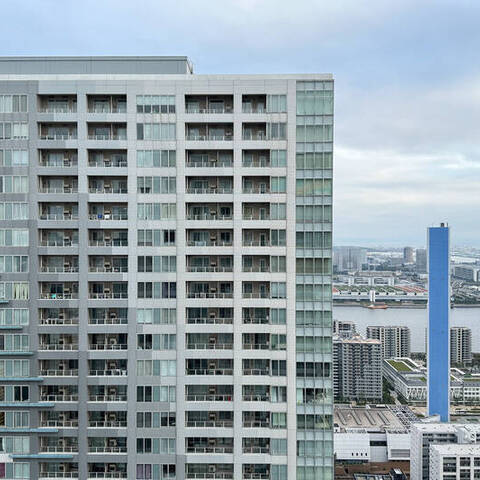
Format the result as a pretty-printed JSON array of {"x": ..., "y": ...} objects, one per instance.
[{"x": 407, "y": 141}]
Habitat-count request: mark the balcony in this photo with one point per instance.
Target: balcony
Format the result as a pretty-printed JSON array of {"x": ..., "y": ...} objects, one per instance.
[
  {"x": 257, "y": 366},
  {"x": 67, "y": 393},
  {"x": 107, "y": 212},
  {"x": 256, "y": 393},
  {"x": 209, "y": 238},
  {"x": 58, "y": 291},
  {"x": 107, "y": 368},
  {"x": 256, "y": 471},
  {"x": 256, "y": 158},
  {"x": 205, "y": 263},
  {"x": 209, "y": 185},
  {"x": 104, "y": 264},
  {"x": 254, "y": 131},
  {"x": 107, "y": 393},
  {"x": 107, "y": 185},
  {"x": 57, "y": 131},
  {"x": 107, "y": 445},
  {"x": 58, "y": 238},
  {"x": 256, "y": 185},
  {"x": 105, "y": 291},
  {"x": 58, "y": 185},
  {"x": 209, "y": 341},
  {"x": 209, "y": 104},
  {"x": 58, "y": 316},
  {"x": 107, "y": 316},
  {"x": 106, "y": 103},
  {"x": 202, "y": 132},
  {"x": 58, "y": 212},
  {"x": 210, "y": 419},
  {"x": 254, "y": 103},
  {"x": 255, "y": 289},
  {"x": 107, "y": 159},
  {"x": 57, "y": 104},
  {"x": 101, "y": 419},
  {"x": 209, "y": 211},
  {"x": 209, "y": 367},
  {"x": 108, "y": 238},
  {"x": 58, "y": 264},
  {"x": 58, "y": 445},
  {"x": 58, "y": 470},
  {"x": 257, "y": 316},
  {"x": 209, "y": 289},
  {"x": 260, "y": 237},
  {"x": 215, "y": 471},
  {"x": 209, "y": 445},
  {"x": 256, "y": 445},
  {"x": 257, "y": 263},
  {"x": 58, "y": 342},
  {"x": 101, "y": 341},
  {"x": 107, "y": 131},
  {"x": 256, "y": 419},
  {"x": 253, "y": 211},
  {"x": 209, "y": 393},
  {"x": 58, "y": 158},
  {"x": 209, "y": 159},
  {"x": 211, "y": 316},
  {"x": 59, "y": 368},
  {"x": 107, "y": 470}
]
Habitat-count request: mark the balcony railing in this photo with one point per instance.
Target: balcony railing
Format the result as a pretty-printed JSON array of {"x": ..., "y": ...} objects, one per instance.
[
  {"x": 58, "y": 190},
  {"x": 208, "y": 243},
  {"x": 108, "y": 216},
  {"x": 106, "y": 136},
  {"x": 65, "y": 163},
  {"x": 256, "y": 346},
  {"x": 108, "y": 243},
  {"x": 59, "y": 321},
  {"x": 58, "y": 136},
  {"x": 209, "y": 371},
  {"x": 225, "y": 109},
  {"x": 58, "y": 109},
  {"x": 256, "y": 216},
  {"x": 95, "y": 475},
  {"x": 257, "y": 268},
  {"x": 58, "y": 346},
  {"x": 210, "y": 320},
  {"x": 107, "y": 398},
  {"x": 59, "y": 373},
  {"x": 61, "y": 243},
  {"x": 227, "y": 137},
  {"x": 214, "y": 476},
  {"x": 209, "y": 295},
  {"x": 119, "y": 190},
  {"x": 58, "y": 449},
  {"x": 58, "y": 296},
  {"x": 256, "y": 243},
  {"x": 256, "y": 424},
  {"x": 209, "y": 190},
  {"x": 107, "y": 424},
  {"x": 209, "y": 449},
  {"x": 108, "y": 321},
  {"x": 255, "y": 163},
  {"x": 210, "y": 164},
  {"x": 121, "y": 269},
  {"x": 60, "y": 423},
  {"x": 58, "y": 216},
  {"x": 52, "y": 269},
  {"x": 108, "y": 163},
  {"x": 58, "y": 475},
  {"x": 210, "y": 424},
  {"x": 256, "y": 450},
  {"x": 256, "y": 371},
  {"x": 116, "y": 372},
  {"x": 255, "y": 190},
  {"x": 105, "y": 295},
  {"x": 209, "y": 269},
  {"x": 208, "y": 216},
  {"x": 256, "y": 398},
  {"x": 248, "y": 108},
  {"x": 209, "y": 346},
  {"x": 256, "y": 295},
  {"x": 107, "y": 346},
  {"x": 107, "y": 449},
  {"x": 256, "y": 476},
  {"x": 209, "y": 398}
]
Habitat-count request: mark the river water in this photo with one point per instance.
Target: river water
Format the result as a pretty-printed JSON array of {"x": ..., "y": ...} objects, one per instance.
[{"x": 414, "y": 318}]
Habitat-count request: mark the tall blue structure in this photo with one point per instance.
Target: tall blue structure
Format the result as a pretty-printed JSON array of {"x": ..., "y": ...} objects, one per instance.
[{"x": 438, "y": 322}]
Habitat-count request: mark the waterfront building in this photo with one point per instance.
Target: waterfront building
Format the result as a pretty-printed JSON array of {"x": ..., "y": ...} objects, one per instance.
[
  {"x": 148, "y": 219},
  {"x": 344, "y": 329},
  {"x": 395, "y": 339},
  {"x": 460, "y": 346}
]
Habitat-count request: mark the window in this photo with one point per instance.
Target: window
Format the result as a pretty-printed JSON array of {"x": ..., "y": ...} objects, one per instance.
[
  {"x": 279, "y": 368},
  {"x": 13, "y": 211},
  {"x": 314, "y": 101},
  {"x": 313, "y": 369},
  {"x": 155, "y": 471},
  {"x": 156, "y": 393},
  {"x": 278, "y": 472},
  {"x": 14, "y": 419},
  {"x": 14, "y": 316},
  {"x": 278, "y": 264},
  {"x": 156, "y": 368},
  {"x": 14, "y": 290},
  {"x": 14, "y": 393},
  {"x": 313, "y": 213},
  {"x": 13, "y": 131},
  {"x": 13, "y": 184},
  {"x": 278, "y": 238},
  {"x": 316, "y": 318},
  {"x": 314, "y": 240},
  {"x": 279, "y": 420},
  {"x": 278, "y": 342},
  {"x": 278, "y": 158},
  {"x": 314, "y": 344},
  {"x": 14, "y": 445},
  {"x": 14, "y": 343},
  {"x": 156, "y": 158},
  {"x": 164, "y": 446},
  {"x": 155, "y": 238},
  {"x": 278, "y": 184},
  {"x": 276, "y": 103},
  {"x": 309, "y": 187},
  {"x": 156, "y": 184},
  {"x": 13, "y": 104},
  {"x": 156, "y": 211},
  {"x": 151, "y": 264},
  {"x": 278, "y": 290},
  {"x": 13, "y": 237},
  {"x": 13, "y": 158},
  {"x": 278, "y": 211},
  {"x": 278, "y": 316},
  {"x": 313, "y": 129},
  {"x": 278, "y": 394},
  {"x": 155, "y": 103},
  {"x": 156, "y": 316},
  {"x": 162, "y": 341},
  {"x": 13, "y": 263},
  {"x": 157, "y": 289},
  {"x": 156, "y": 131},
  {"x": 276, "y": 131},
  {"x": 17, "y": 471},
  {"x": 319, "y": 160},
  {"x": 14, "y": 368},
  {"x": 313, "y": 292},
  {"x": 313, "y": 422},
  {"x": 319, "y": 266}
]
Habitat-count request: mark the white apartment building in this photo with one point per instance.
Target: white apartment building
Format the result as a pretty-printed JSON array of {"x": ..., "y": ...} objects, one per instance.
[
  {"x": 454, "y": 462},
  {"x": 395, "y": 339},
  {"x": 165, "y": 271}
]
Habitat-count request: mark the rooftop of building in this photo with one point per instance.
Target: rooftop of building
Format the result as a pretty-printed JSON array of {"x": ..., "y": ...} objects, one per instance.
[
  {"x": 356, "y": 339},
  {"x": 382, "y": 418},
  {"x": 457, "y": 448},
  {"x": 445, "y": 427}
]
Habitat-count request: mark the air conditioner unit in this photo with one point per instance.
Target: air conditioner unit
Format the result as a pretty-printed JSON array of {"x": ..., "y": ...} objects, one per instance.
[
  {"x": 112, "y": 467},
  {"x": 61, "y": 442},
  {"x": 112, "y": 442},
  {"x": 62, "y": 417},
  {"x": 112, "y": 416},
  {"x": 212, "y": 340},
  {"x": 212, "y": 365},
  {"x": 61, "y": 316},
  {"x": 212, "y": 390},
  {"x": 213, "y": 315},
  {"x": 212, "y": 441},
  {"x": 213, "y": 263},
  {"x": 111, "y": 365},
  {"x": 112, "y": 341},
  {"x": 212, "y": 415},
  {"x": 61, "y": 468},
  {"x": 61, "y": 366},
  {"x": 212, "y": 468},
  {"x": 111, "y": 391}
]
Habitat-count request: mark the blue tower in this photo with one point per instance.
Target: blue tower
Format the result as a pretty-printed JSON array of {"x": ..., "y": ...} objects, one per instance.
[{"x": 438, "y": 346}]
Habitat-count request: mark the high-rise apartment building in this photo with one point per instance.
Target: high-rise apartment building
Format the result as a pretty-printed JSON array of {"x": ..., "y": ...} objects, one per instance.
[
  {"x": 344, "y": 328},
  {"x": 408, "y": 255},
  {"x": 421, "y": 260},
  {"x": 395, "y": 339},
  {"x": 357, "y": 368},
  {"x": 460, "y": 345},
  {"x": 149, "y": 218}
]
